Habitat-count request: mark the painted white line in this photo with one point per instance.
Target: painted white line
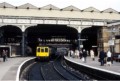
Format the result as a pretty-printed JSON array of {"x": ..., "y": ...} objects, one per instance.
[{"x": 19, "y": 68}]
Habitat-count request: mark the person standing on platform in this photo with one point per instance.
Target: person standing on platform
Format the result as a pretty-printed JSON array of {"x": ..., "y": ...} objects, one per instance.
[
  {"x": 112, "y": 58},
  {"x": 88, "y": 53},
  {"x": 80, "y": 53},
  {"x": 72, "y": 53},
  {"x": 77, "y": 53},
  {"x": 101, "y": 57},
  {"x": 84, "y": 55},
  {"x": 69, "y": 53},
  {"x": 4, "y": 55},
  {"x": 109, "y": 58},
  {"x": 105, "y": 58},
  {"x": 92, "y": 55}
]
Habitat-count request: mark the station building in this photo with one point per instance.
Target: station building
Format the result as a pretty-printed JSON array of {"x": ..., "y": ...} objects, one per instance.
[{"x": 26, "y": 26}]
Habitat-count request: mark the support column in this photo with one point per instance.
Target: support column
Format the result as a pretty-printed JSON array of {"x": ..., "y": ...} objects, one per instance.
[
  {"x": 23, "y": 40},
  {"x": 1, "y": 37},
  {"x": 79, "y": 42},
  {"x": 23, "y": 43},
  {"x": 79, "y": 37}
]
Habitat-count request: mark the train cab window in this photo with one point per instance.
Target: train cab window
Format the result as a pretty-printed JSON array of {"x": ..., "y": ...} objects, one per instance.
[
  {"x": 42, "y": 49},
  {"x": 46, "y": 49},
  {"x": 38, "y": 49}
]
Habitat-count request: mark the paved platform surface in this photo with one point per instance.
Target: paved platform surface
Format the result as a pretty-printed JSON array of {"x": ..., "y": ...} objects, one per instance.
[
  {"x": 8, "y": 69},
  {"x": 114, "y": 68}
]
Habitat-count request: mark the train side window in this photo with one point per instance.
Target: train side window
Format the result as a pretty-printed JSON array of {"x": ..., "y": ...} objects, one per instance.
[
  {"x": 38, "y": 49},
  {"x": 42, "y": 50},
  {"x": 46, "y": 49}
]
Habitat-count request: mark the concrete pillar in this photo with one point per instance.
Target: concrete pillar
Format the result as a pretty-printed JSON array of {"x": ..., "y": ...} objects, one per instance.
[
  {"x": 79, "y": 37},
  {"x": 23, "y": 43},
  {"x": 23, "y": 40},
  {"x": 79, "y": 42}
]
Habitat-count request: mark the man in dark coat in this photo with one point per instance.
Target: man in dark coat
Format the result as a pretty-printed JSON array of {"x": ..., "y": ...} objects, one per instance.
[{"x": 101, "y": 57}]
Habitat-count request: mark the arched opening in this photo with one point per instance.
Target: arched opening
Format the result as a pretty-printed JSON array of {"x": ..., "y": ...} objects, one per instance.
[
  {"x": 52, "y": 35},
  {"x": 91, "y": 38},
  {"x": 10, "y": 39}
]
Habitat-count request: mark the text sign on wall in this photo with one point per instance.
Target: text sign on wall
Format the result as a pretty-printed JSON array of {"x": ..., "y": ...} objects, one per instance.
[{"x": 111, "y": 42}]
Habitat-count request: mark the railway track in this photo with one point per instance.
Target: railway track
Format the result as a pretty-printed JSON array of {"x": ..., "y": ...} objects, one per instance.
[
  {"x": 34, "y": 73},
  {"x": 59, "y": 70},
  {"x": 65, "y": 72},
  {"x": 52, "y": 70},
  {"x": 50, "y": 73}
]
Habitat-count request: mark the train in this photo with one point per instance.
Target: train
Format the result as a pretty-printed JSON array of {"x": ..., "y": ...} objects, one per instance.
[
  {"x": 49, "y": 52},
  {"x": 42, "y": 52}
]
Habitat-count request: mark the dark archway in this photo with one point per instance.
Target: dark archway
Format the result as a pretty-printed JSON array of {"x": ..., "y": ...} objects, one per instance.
[
  {"x": 91, "y": 36},
  {"x": 12, "y": 36},
  {"x": 50, "y": 35}
]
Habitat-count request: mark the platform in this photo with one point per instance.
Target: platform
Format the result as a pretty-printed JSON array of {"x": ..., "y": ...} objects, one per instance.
[
  {"x": 114, "y": 68},
  {"x": 8, "y": 69}
]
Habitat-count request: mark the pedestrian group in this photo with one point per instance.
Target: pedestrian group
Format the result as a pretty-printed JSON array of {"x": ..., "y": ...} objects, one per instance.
[{"x": 105, "y": 58}]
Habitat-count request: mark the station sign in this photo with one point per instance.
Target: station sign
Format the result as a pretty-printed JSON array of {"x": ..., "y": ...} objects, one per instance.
[
  {"x": 81, "y": 46},
  {"x": 111, "y": 42}
]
